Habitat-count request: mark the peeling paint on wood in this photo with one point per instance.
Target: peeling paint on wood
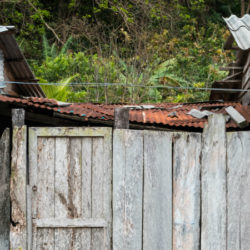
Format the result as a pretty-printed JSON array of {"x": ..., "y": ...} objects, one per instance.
[
  {"x": 214, "y": 177},
  {"x": 238, "y": 195},
  {"x": 157, "y": 205},
  {"x": 186, "y": 191},
  {"x": 5, "y": 190},
  {"x": 18, "y": 188},
  {"x": 127, "y": 189}
]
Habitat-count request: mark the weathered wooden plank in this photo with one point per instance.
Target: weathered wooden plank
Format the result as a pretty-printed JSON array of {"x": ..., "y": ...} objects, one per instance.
[
  {"x": 18, "y": 188},
  {"x": 29, "y": 218},
  {"x": 157, "y": 205},
  {"x": 213, "y": 234},
  {"x": 107, "y": 186},
  {"x": 86, "y": 187},
  {"x": 75, "y": 192},
  {"x": 97, "y": 192},
  {"x": 186, "y": 191},
  {"x": 63, "y": 207},
  {"x": 5, "y": 190},
  {"x": 58, "y": 222},
  {"x": 237, "y": 117},
  {"x": 127, "y": 189},
  {"x": 247, "y": 63},
  {"x": 121, "y": 118},
  {"x": 230, "y": 68},
  {"x": 238, "y": 195},
  {"x": 43, "y": 191}
]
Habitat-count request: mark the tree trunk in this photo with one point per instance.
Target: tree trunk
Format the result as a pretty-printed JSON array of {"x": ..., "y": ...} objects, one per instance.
[{"x": 242, "y": 3}]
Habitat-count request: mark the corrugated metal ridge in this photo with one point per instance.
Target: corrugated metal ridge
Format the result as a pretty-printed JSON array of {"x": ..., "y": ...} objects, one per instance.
[{"x": 240, "y": 29}]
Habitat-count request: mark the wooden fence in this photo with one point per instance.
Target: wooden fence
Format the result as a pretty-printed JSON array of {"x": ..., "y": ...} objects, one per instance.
[{"x": 153, "y": 190}]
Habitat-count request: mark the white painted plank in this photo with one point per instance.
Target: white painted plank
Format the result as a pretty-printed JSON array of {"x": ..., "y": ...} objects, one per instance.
[
  {"x": 86, "y": 187},
  {"x": 238, "y": 195},
  {"x": 44, "y": 192},
  {"x": 186, "y": 191},
  {"x": 18, "y": 188},
  {"x": 157, "y": 205},
  {"x": 127, "y": 189},
  {"x": 237, "y": 117},
  {"x": 65, "y": 222},
  {"x": 98, "y": 240},
  {"x": 214, "y": 212},
  {"x": 5, "y": 190}
]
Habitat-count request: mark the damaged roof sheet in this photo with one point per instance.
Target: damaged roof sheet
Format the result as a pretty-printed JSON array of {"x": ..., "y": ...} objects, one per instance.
[
  {"x": 158, "y": 115},
  {"x": 240, "y": 29}
]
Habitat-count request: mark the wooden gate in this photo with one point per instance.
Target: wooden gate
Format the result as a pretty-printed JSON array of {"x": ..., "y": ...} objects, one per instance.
[{"x": 69, "y": 193}]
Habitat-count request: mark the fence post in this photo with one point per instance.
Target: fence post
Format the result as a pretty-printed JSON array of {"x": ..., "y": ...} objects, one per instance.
[
  {"x": 214, "y": 177},
  {"x": 121, "y": 118},
  {"x": 18, "y": 181},
  {"x": 5, "y": 190}
]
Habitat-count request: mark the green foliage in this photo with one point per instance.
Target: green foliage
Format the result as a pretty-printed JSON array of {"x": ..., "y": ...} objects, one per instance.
[{"x": 151, "y": 43}]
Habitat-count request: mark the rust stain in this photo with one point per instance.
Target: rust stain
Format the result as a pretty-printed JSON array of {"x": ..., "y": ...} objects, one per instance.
[{"x": 146, "y": 116}]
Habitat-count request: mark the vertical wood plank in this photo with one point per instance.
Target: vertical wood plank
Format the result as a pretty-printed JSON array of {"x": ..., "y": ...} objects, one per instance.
[
  {"x": 127, "y": 189},
  {"x": 86, "y": 188},
  {"x": 18, "y": 188},
  {"x": 98, "y": 240},
  {"x": 107, "y": 186},
  {"x": 157, "y": 205},
  {"x": 238, "y": 196},
  {"x": 33, "y": 181},
  {"x": 5, "y": 190},
  {"x": 186, "y": 191},
  {"x": 68, "y": 190},
  {"x": 214, "y": 212},
  {"x": 44, "y": 191}
]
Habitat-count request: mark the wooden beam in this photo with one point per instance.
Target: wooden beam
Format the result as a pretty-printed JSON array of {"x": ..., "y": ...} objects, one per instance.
[
  {"x": 237, "y": 117},
  {"x": 62, "y": 223},
  {"x": 18, "y": 117},
  {"x": 230, "y": 81},
  {"x": 232, "y": 76},
  {"x": 230, "y": 68},
  {"x": 121, "y": 118},
  {"x": 232, "y": 48},
  {"x": 229, "y": 41},
  {"x": 14, "y": 60},
  {"x": 226, "y": 92},
  {"x": 18, "y": 188},
  {"x": 5, "y": 190}
]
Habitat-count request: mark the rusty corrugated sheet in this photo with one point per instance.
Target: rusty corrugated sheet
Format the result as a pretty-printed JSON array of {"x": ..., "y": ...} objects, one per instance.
[
  {"x": 18, "y": 64},
  {"x": 159, "y": 115}
]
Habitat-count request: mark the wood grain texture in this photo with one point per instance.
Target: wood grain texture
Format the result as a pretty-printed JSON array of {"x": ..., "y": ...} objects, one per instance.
[
  {"x": 18, "y": 188},
  {"x": 5, "y": 190},
  {"x": 186, "y": 191},
  {"x": 86, "y": 188},
  {"x": 97, "y": 234},
  {"x": 157, "y": 205},
  {"x": 127, "y": 189},
  {"x": 238, "y": 195},
  {"x": 44, "y": 191},
  {"x": 214, "y": 212},
  {"x": 18, "y": 117},
  {"x": 65, "y": 222}
]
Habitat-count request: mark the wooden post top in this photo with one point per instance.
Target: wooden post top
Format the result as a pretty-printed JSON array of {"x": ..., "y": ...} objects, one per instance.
[{"x": 121, "y": 118}]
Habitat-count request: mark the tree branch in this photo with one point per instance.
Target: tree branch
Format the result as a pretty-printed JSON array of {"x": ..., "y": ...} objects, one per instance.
[{"x": 48, "y": 27}]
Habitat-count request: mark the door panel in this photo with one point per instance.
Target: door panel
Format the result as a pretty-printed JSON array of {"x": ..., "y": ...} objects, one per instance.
[{"x": 70, "y": 181}]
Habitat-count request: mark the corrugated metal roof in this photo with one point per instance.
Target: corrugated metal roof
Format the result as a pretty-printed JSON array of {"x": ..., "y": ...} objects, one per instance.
[
  {"x": 157, "y": 115},
  {"x": 240, "y": 29},
  {"x": 17, "y": 62}
]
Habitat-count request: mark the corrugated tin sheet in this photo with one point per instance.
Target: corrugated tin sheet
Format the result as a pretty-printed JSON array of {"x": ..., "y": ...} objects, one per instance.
[
  {"x": 158, "y": 115},
  {"x": 17, "y": 62},
  {"x": 240, "y": 29}
]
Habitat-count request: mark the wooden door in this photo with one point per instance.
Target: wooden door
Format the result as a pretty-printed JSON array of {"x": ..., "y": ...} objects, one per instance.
[{"x": 69, "y": 195}]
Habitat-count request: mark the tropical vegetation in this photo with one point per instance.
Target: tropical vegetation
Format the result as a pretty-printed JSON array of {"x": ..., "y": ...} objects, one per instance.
[{"x": 124, "y": 51}]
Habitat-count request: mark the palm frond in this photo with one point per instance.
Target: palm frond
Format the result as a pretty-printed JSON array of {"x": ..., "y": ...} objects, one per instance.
[
  {"x": 66, "y": 46},
  {"x": 53, "y": 51},
  {"x": 46, "y": 48}
]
